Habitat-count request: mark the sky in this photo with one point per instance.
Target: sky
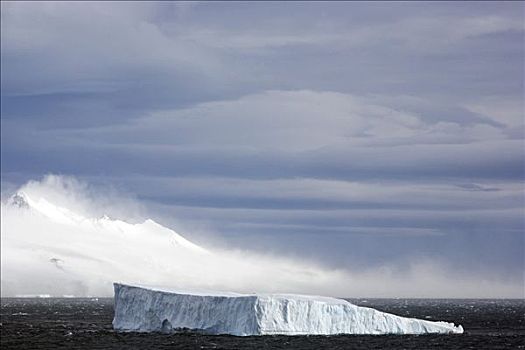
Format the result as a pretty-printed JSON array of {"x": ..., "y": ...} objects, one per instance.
[{"x": 353, "y": 135}]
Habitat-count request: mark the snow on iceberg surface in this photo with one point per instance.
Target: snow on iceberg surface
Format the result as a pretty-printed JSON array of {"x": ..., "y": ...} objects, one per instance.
[{"x": 156, "y": 310}]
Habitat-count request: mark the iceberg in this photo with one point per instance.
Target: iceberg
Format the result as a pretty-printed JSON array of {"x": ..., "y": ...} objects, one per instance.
[{"x": 147, "y": 309}]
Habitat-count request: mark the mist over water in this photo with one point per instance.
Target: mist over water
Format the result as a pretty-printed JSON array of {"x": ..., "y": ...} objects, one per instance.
[{"x": 62, "y": 237}]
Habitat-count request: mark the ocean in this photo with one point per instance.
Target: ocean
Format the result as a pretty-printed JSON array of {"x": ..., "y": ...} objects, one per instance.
[{"x": 85, "y": 323}]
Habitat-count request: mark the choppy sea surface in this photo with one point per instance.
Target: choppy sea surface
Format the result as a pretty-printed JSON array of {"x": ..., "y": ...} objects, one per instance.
[{"x": 85, "y": 323}]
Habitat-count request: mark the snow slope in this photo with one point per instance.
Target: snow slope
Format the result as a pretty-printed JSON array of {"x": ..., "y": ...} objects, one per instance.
[
  {"x": 160, "y": 310},
  {"x": 51, "y": 249},
  {"x": 67, "y": 217}
]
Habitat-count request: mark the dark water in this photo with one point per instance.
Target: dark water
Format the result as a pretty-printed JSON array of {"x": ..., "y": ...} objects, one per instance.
[{"x": 86, "y": 324}]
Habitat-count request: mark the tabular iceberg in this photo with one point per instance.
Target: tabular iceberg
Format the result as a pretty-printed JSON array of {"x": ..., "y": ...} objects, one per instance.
[{"x": 156, "y": 310}]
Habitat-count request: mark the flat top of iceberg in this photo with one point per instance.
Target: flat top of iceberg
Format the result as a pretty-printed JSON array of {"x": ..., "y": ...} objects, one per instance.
[{"x": 215, "y": 293}]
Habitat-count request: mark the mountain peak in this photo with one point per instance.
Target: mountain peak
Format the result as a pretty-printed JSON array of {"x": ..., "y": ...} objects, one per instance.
[{"x": 19, "y": 200}]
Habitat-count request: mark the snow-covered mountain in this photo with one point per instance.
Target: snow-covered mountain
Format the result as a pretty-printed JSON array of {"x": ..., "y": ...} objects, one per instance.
[
  {"x": 104, "y": 225},
  {"x": 79, "y": 255},
  {"x": 49, "y": 249}
]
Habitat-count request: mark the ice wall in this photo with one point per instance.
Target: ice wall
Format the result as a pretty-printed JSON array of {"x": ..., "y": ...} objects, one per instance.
[{"x": 157, "y": 310}]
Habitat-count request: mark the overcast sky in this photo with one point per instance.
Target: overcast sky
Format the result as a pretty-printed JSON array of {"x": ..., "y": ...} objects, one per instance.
[{"x": 353, "y": 134}]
